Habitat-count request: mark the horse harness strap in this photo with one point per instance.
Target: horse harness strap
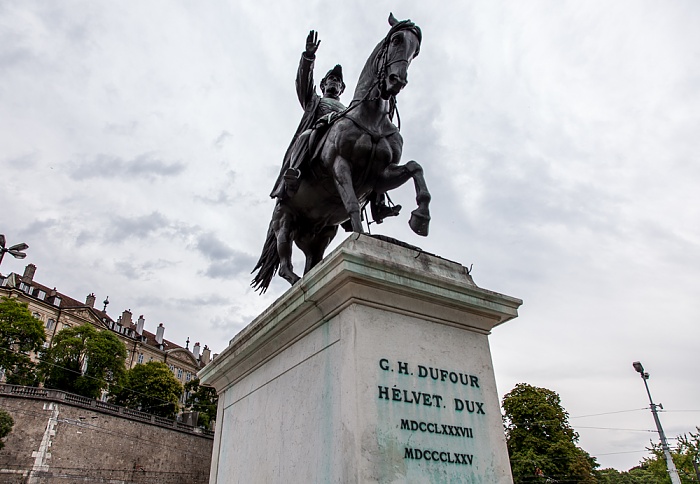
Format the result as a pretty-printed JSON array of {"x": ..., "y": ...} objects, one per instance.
[{"x": 375, "y": 135}]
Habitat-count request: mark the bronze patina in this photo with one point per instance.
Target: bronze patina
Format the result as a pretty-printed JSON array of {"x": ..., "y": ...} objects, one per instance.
[{"x": 342, "y": 159}]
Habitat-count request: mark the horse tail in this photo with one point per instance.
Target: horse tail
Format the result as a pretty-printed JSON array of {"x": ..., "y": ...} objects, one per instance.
[{"x": 268, "y": 263}]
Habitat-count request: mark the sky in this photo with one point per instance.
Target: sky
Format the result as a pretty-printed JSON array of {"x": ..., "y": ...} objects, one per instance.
[{"x": 140, "y": 141}]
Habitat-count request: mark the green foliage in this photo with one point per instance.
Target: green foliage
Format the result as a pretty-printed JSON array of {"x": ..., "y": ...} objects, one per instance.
[
  {"x": 683, "y": 454},
  {"x": 636, "y": 475},
  {"x": 149, "y": 387},
  {"x": 84, "y": 360},
  {"x": 203, "y": 400},
  {"x": 20, "y": 333},
  {"x": 541, "y": 443},
  {"x": 6, "y": 424}
]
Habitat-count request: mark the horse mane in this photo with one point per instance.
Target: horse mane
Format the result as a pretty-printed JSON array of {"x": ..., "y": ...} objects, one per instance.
[{"x": 370, "y": 72}]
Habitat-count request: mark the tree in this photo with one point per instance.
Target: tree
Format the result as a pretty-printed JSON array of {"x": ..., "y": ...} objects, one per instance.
[
  {"x": 6, "y": 424},
  {"x": 686, "y": 450},
  {"x": 636, "y": 475},
  {"x": 84, "y": 360},
  {"x": 541, "y": 443},
  {"x": 149, "y": 387},
  {"x": 203, "y": 400},
  {"x": 20, "y": 334}
]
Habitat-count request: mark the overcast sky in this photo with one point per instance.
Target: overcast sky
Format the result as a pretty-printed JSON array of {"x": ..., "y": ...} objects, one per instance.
[{"x": 560, "y": 140}]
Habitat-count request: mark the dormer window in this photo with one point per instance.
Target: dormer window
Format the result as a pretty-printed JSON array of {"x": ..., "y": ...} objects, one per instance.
[
  {"x": 57, "y": 301},
  {"x": 41, "y": 295},
  {"x": 25, "y": 287}
]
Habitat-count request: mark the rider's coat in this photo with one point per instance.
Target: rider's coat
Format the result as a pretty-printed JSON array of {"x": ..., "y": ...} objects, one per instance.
[{"x": 314, "y": 107}]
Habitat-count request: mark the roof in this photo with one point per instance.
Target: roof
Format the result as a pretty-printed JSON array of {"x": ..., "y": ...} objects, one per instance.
[{"x": 58, "y": 299}]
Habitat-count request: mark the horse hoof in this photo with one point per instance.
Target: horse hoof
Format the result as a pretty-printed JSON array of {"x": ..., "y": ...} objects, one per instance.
[
  {"x": 419, "y": 222},
  {"x": 290, "y": 277}
]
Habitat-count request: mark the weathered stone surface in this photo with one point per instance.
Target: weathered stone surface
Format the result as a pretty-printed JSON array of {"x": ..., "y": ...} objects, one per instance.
[
  {"x": 65, "y": 443},
  {"x": 377, "y": 356}
]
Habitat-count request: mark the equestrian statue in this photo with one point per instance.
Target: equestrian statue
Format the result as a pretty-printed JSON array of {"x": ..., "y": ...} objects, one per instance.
[{"x": 342, "y": 159}]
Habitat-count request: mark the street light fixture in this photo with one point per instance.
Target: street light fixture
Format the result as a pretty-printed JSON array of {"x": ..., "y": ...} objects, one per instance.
[
  {"x": 672, "y": 471},
  {"x": 15, "y": 251}
]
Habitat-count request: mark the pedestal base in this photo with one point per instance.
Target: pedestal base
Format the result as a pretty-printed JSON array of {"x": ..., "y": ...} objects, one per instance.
[{"x": 375, "y": 367}]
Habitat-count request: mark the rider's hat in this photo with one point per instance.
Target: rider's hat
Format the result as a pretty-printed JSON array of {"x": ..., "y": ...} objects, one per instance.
[{"x": 337, "y": 71}]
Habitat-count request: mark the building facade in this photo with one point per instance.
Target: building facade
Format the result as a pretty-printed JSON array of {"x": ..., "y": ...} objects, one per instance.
[{"x": 57, "y": 311}]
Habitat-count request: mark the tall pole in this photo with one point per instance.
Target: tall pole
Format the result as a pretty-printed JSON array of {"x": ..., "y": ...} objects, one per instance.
[{"x": 672, "y": 471}]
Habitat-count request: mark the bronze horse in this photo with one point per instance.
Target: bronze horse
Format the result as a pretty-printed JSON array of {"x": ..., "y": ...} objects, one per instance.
[{"x": 357, "y": 158}]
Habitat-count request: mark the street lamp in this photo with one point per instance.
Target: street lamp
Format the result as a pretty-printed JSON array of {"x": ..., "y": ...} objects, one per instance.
[
  {"x": 15, "y": 251},
  {"x": 672, "y": 472}
]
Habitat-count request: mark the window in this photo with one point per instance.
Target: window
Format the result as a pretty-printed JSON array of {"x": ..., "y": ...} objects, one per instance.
[
  {"x": 172, "y": 368},
  {"x": 41, "y": 295},
  {"x": 179, "y": 373},
  {"x": 50, "y": 323},
  {"x": 25, "y": 287},
  {"x": 57, "y": 301},
  {"x": 37, "y": 316},
  {"x": 188, "y": 376},
  {"x": 140, "y": 358}
]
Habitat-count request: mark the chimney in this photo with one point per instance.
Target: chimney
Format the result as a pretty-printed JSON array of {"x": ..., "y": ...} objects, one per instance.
[
  {"x": 195, "y": 350},
  {"x": 29, "y": 273},
  {"x": 206, "y": 353},
  {"x": 90, "y": 300},
  {"x": 139, "y": 325},
  {"x": 159, "y": 334},
  {"x": 126, "y": 318}
]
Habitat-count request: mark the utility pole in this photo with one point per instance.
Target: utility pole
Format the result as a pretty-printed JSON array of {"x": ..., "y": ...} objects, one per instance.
[{"x": 672, "y": 471}]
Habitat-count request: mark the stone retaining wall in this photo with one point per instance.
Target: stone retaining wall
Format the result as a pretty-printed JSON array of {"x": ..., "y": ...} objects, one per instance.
[{"x": 60, "y": 437}]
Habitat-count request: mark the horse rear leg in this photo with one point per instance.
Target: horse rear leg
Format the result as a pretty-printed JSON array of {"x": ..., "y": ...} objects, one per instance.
[
  {"x": 282, "y": 224},
  {"x": 394, "y": 176},
  {"x": 315, "y": 246}
]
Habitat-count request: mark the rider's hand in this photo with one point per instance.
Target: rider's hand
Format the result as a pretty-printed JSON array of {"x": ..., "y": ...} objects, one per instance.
[{"x": 312, "y": 43}]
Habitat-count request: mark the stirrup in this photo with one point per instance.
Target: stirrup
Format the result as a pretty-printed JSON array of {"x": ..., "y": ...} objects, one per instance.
[{"x": 384, "y": 211}]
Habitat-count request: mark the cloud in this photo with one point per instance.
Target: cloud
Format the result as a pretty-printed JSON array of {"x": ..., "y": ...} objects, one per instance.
[
  {"x": 143, "y": 226},
  {"x": 143, "y": 270},
  {"x": 146, "y": 165},
  {"x": 222, "y": 138},
  {"x": 225, "y": 261},
  {"x": 123, "y": 129},
  {"x": 24, "y": 162}
]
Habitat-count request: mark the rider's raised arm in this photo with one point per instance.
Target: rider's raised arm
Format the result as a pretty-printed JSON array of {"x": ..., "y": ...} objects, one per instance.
[{"x": 305, "y": 73}]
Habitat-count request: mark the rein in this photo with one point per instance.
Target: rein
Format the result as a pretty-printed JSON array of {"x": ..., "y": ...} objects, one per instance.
[{"x": 381, "y": 75}]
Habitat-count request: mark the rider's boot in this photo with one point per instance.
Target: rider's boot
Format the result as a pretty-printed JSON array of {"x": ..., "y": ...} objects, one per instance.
[
  {"x": 380, "y": 210},
  {"x": 291, "y": 181}
]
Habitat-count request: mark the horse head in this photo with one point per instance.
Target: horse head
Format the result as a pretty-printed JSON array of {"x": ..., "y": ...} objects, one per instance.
[{"x": 400, "y": 47}]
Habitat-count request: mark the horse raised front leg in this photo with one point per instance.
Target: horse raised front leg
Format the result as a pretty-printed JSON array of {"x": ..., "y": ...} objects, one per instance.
[
  {"x": 282, "y": 225},
  {"x": 342, "y": 175},
  {"x": 396, "y": 175}
]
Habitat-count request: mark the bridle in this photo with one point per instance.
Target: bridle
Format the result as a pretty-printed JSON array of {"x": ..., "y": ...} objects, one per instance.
[{"x": 382, "y": 64}]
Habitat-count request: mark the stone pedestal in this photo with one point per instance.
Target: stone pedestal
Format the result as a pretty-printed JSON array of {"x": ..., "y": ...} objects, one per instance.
[{"x": 375, "y": 367}]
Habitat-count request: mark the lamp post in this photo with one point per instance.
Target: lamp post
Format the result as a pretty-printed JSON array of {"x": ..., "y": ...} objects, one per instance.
[
  {"x": 672, "y": 471},
  {"x": 15, "y": 251}
]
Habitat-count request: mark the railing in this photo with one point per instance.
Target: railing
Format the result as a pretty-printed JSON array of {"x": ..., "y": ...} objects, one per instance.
[
  {"x": 69, "y": 397},
  {"x": 99, "y": 406}
]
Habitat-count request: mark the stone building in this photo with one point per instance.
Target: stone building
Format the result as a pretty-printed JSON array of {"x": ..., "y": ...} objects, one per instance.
[{"x": 57, "y": 311}]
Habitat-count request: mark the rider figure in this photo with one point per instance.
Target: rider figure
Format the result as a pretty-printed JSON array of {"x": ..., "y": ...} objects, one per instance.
[
  {"x": 315, "y": 107},
  {"x": 318, "y": 110}
]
